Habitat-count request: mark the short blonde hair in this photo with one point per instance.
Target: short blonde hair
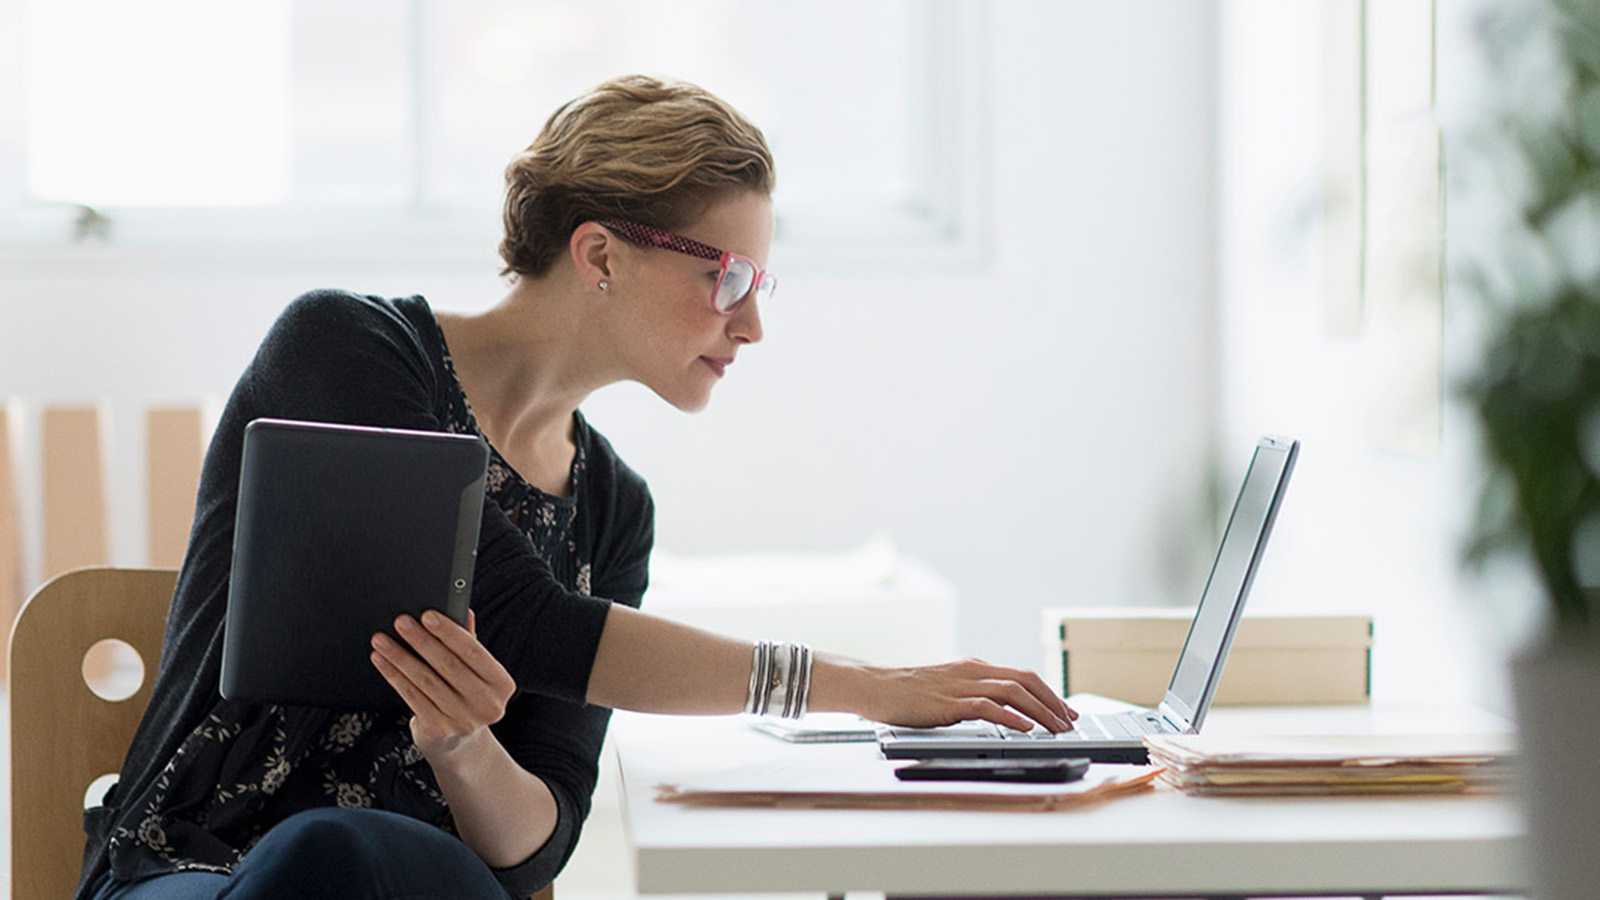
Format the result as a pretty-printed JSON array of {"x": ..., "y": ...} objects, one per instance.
[{"x": 636, "y": 148}]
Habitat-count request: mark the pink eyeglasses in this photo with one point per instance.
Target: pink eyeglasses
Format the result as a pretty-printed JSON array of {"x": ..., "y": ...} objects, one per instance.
[{"x": 739, "y": 275}]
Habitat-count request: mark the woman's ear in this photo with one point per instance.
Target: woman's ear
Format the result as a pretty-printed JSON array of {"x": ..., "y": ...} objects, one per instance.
[{"x": 593, "y": 248}]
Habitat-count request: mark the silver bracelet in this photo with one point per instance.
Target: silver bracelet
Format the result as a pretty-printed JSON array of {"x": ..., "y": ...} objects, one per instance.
[
  {"x": 784, "y": 687},
  {"x": 780, "y": 680},
  {"x": 799, "y": 694},
  {"x": 756, "y": 700}
]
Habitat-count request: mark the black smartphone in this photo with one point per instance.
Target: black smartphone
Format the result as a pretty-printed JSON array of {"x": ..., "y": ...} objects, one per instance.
[{"x": 1038, "y": 770}]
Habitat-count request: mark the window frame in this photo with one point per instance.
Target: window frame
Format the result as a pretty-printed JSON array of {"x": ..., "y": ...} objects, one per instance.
[{"x": 943, "y": 226}]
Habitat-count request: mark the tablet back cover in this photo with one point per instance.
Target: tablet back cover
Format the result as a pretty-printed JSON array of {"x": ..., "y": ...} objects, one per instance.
[{"x": 340, "y": 529}]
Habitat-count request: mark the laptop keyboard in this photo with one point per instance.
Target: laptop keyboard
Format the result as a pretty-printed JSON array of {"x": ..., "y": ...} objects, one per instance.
[{"x": 1109, "y": 727}]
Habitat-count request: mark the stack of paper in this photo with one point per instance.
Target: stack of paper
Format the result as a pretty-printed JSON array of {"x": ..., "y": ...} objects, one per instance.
[
  {"x": 1338, "y": 764},
  {"x": 825, "y": 785}
]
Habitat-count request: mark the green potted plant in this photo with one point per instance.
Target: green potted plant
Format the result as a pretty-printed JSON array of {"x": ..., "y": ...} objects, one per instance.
[{"x": 1537, "y": 395}]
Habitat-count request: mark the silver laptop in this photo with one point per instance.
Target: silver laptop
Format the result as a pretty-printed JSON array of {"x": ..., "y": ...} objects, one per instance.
[{"x": 1119, "y": 737}]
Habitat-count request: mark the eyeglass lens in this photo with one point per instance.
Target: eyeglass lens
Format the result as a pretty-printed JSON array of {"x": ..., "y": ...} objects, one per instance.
[{"x": 736, "y": 282}]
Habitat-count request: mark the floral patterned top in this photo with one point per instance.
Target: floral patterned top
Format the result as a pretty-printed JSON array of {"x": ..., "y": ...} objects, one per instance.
[{"x": 198, "y": 797}]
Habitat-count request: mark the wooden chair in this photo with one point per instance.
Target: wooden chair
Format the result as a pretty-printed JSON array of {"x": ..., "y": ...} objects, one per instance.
[{"x": 64, "y": 735}]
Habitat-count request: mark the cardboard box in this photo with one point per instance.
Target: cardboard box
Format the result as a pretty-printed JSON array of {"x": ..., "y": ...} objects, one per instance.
[{"x": 1129, "y": 654}]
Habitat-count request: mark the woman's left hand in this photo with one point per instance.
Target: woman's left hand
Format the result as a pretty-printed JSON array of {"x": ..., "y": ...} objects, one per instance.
[{"x": 454, "y": 686}]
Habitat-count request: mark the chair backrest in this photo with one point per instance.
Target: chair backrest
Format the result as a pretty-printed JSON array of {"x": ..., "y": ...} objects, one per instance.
[
  {"x": 64, "y": 736},
  {"x": 57, "y": 455}
]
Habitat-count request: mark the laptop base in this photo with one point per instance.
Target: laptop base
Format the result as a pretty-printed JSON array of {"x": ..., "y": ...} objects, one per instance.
[{"x": 945, "y": 749}]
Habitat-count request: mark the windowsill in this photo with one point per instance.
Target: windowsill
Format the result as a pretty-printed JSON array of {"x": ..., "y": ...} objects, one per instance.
[
  {"x": 39, "y": 242},
  {"x": 36, "y": 243}
]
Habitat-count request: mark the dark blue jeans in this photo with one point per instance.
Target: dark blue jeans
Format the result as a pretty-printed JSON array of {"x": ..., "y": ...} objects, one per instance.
[{"x": 334, "y": 854}]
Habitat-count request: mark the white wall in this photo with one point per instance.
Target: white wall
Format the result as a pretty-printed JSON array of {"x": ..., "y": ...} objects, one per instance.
[
  {"x": 1362, "y": 529},
  {"x": 1039, "y": 430}
]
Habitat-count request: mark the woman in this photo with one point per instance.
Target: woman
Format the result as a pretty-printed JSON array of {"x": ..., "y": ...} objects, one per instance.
[{"x": 637, "y": 227}]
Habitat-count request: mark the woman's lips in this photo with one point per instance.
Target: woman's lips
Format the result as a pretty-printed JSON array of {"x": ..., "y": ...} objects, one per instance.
[{"x": 718, "y": 364}]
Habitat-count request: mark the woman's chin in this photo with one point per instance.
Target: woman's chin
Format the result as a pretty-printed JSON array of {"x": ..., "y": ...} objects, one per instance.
[
  {"x": 695, "y": 404},
  {"x": 689, "y": 401}
]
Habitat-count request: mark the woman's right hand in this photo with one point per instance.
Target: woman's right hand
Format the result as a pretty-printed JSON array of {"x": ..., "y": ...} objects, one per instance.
[
  {"x": 928, "y": 696},
  {"x": 695, "y": 672}
]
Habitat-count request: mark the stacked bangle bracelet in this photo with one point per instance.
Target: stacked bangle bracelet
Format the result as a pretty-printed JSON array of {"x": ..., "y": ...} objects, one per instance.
[{"x": 780, "y": 680}]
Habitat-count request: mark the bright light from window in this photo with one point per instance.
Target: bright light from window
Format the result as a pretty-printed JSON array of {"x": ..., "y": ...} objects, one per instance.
[
  {"x": 388, "y": 105},
  {"x": 158, "y": 102},
  {"x": 830, "y": 82}
]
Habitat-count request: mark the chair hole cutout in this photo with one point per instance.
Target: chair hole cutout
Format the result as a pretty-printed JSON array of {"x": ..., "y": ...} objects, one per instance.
[
  {"x": 96, "y": 794},
  {"x": 113, "y": 670}
]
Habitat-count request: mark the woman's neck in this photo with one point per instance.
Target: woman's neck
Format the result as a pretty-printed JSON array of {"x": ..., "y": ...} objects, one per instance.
[{"x": 525, "y": 367}]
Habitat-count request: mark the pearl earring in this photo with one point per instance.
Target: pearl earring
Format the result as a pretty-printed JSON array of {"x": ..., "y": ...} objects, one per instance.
[{"x": 605, "y": 285}]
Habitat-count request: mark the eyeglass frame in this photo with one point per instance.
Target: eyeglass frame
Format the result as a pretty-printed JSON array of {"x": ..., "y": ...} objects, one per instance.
[{"x": 644, "y": 235}]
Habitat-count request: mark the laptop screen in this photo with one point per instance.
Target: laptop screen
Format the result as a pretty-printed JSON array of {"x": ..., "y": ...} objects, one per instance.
[{"x": 1194, "y": 681}]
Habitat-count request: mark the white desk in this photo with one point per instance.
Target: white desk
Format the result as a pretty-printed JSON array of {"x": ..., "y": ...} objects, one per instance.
[{"x": 1156, "y": 844}]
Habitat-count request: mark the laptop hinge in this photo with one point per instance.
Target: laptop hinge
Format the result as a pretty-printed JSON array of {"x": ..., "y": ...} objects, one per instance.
[{"x": 1177, "y": 723}]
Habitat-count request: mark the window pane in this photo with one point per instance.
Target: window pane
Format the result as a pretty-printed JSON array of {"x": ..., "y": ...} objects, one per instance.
[
  {"x": 829, "y": 81},
  {"x": 353, "y": 98},
  {"x": 385, "y": 104},
  {"x": 500, "y": 68},
  {"x": 157, "y": 102},
  {"x": 843, "y": 99}
]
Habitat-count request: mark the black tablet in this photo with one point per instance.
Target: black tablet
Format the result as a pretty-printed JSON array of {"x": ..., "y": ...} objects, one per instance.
[{"x": 340, "y": 529}]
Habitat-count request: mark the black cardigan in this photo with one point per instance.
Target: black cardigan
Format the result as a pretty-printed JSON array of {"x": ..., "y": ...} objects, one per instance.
[{"x": 338, "y": 357}]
